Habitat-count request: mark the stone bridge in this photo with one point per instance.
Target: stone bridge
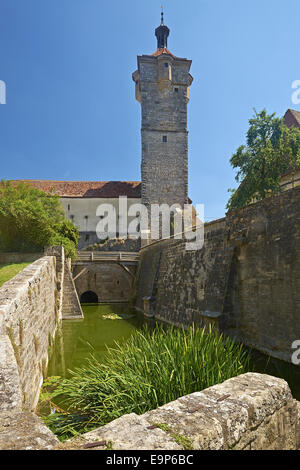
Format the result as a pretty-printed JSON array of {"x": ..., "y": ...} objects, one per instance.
[{"x": 104, "y": 276}]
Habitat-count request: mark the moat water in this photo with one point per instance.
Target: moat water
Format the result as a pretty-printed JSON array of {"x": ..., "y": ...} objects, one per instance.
[{"x": 104, "y": 324}]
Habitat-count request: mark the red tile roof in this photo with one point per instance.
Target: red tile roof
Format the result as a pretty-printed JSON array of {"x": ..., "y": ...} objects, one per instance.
[
  {"x": 161, "y": 51},
  {"x": 88, "y": 189},
  {"x": 292, "y": 118}
]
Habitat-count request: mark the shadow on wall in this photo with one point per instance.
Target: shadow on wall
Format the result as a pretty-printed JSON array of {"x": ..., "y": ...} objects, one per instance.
[{"x": 89, "y": 297}]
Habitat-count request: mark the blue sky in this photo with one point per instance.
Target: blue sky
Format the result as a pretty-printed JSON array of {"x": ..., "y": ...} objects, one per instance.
[{"x": 71, "y": 112}]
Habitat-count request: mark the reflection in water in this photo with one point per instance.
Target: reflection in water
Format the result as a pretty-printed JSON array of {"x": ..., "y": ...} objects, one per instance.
[
  {"x": 285, "y": 370},
  {"x": 101, "y": 327}
]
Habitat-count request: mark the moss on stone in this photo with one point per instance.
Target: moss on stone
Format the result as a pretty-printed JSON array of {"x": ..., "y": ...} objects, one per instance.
[{"x": 182, "y": 440}]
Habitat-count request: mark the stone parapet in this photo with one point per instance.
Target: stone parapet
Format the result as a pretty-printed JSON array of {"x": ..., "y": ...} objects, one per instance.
[
  {"x": 248, "y": 412},
  {"x": 29, "y": 314}
]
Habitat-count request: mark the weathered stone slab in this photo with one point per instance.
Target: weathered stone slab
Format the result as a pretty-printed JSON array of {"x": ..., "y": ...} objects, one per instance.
[
  {"x": 251, "y": 411},
  {"x": 10, "y": 390},
  {"x": 24, "y": 431},
  {"x": 128, "y": 432}
]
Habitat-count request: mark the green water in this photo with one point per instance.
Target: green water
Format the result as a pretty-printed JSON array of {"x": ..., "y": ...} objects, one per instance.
[
  {"x": 269, "y": 365},
  {"x": 77, "y": 339}
]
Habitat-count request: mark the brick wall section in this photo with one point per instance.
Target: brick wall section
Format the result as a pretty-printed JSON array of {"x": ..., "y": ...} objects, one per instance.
[
  {"x": 248, "y": 271},
  {"x": 29, "y": 313}
]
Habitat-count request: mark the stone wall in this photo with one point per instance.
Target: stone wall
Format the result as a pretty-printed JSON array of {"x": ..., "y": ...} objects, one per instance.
[
  {"x": 19, "y": 257},
  {"x": 30, "y": 309},
  {"x": 29, "y": 313},
  {"x": 162, "y": 88},
  {"x": 184, "y": 286},
  {"x": 262, "y": 306},
  {"x": 246, "y": 277},
  {"x": 116, "y": 244},
  {"x": 71, "y": 308},
  {"x": 109, "y": 281},
  {"x": 248, "y": 412}
]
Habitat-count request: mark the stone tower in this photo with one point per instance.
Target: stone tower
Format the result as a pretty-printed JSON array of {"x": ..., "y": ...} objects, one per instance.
[{"x": 162, "y": 84}]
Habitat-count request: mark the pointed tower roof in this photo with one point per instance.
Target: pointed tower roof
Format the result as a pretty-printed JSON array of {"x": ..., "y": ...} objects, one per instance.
[{"x": 162, "y": 34}]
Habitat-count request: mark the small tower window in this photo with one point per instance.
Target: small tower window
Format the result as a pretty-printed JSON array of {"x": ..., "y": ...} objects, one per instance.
[
  {"x": 166, "y": 64},
  {"x": 165, "y": 138},
  {"x": 176, "y": 90},
  {"x": 69, "y": 207}
]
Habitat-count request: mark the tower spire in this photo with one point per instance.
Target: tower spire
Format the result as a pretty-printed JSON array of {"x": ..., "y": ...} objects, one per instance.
[{"x": 162, "y": 33}]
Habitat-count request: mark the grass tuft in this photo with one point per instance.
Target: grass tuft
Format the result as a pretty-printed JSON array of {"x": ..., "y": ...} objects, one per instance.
[
  {"x": 9, "y": 270},
  {"x": 152, "y": 368}
]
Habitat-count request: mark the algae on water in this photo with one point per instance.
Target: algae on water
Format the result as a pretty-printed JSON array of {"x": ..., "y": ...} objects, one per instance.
[{"x": 116, "y": 316}]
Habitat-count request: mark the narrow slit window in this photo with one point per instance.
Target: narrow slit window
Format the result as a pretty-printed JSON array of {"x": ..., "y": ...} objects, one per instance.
[{"x": 165, "y": 138}]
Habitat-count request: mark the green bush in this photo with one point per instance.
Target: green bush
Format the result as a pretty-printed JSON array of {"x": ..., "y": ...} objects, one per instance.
[
  {"x": 271, "y": 150},
  {"x": 31, "y": 219},
  {"x": 150, "y": 369}
]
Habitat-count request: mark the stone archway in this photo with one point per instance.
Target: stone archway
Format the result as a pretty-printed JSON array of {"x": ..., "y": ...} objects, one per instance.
[
  {"x": 109, "y": 281},
  {"x": 89, "y": 297}
]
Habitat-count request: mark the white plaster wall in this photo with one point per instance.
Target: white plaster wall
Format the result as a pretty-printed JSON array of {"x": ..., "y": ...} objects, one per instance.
[{"x": 81, "y": 207}]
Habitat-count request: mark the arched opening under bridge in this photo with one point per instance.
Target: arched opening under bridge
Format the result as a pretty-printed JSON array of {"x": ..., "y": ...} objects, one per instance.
[{"x": 89, "y": 297}]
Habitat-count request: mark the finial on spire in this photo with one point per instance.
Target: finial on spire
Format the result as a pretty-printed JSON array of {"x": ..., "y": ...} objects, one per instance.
[
  {"x": 162, "y": 16},
  {"x": 162, "y": 33}
]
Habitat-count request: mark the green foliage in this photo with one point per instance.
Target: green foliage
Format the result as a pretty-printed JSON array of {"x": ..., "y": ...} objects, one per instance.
[
  {"x": 271, "y": 149},
  {"x": 163, "y": 426},
  {"x": 109, "y": 445},
  {"x": 183, "y": 441},
  {"x": 31, "y": 219},
  {"x": 150, "y": 369}
]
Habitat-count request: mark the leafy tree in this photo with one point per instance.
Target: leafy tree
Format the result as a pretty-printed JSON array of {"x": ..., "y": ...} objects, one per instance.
[
  {"x": 31, "y": 219},
  {"x": 271, "y": 149}
]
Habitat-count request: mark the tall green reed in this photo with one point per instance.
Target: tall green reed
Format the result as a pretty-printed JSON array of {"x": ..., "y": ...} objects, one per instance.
[{"x": 152, "y": 368}]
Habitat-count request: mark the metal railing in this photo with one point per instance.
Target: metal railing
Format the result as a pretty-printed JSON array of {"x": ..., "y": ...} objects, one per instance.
[{"x": 107, "y": 256}]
